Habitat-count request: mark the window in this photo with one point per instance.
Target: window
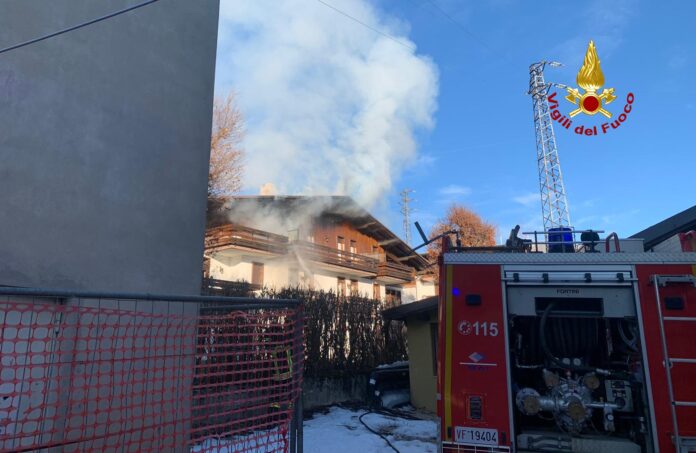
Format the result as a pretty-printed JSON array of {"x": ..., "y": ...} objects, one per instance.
[
  {"x": 341, "y": 286},
  {"x": 341, "y": 246},
  {"x": 257, "y": 273},
  {"x": 353, "y": 287},
  {"x": 393, "y": 296},
  {"x": 353, "y": 249},
  {"x": 376, "y": 293}
]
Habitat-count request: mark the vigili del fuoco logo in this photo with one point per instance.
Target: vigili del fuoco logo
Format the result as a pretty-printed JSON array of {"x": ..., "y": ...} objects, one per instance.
[{"x": 587, "y": 100}]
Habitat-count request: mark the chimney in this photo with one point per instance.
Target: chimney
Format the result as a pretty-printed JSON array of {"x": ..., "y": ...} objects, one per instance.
[{"x": 268, "y": 189}]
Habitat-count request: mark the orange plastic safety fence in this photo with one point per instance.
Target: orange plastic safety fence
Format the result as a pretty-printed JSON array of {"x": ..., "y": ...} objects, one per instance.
[{"x": 141, "y": 376}]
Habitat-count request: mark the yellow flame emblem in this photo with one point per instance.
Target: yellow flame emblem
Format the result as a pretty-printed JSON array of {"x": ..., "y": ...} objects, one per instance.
[{"x": 591, "y": 79}]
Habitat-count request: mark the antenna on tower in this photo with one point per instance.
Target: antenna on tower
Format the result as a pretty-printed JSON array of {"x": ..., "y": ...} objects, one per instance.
[
  {"x": 554, "y": 205},
  {"x": 406, "y": 211}
]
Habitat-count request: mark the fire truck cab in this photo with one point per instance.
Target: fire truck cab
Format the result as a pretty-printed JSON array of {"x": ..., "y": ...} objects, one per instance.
[{"x": 567, "y": 352}]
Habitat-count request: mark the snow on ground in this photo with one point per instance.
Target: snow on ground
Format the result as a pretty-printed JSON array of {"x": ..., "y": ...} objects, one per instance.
[
  {"x": 393, "y": 364},
  {"x": 258, "y": 442},
  {"x": 340, "y": 431}
]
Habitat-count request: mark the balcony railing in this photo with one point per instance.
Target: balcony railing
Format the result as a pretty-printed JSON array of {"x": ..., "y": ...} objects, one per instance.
[
  {"x": 328, "y": 255},
  {"x": 391, "y": 270},
  {"x": 213, "y": 287},
  {"x": 241, "y": 236}
]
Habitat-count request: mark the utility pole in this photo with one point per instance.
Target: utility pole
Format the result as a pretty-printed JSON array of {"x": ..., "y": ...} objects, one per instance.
[
  {"x": 554, "y": 205},
  {"x": 406, "y": 211}
]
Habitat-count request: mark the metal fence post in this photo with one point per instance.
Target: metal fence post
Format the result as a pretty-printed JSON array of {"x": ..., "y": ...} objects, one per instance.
[
  {"x": 296, "y": 437},
  {"x": 300, "y": 424},
  {"x": 293, "y": 429}
]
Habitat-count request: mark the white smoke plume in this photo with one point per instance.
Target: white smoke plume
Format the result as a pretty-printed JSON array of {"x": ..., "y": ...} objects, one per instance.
[
  {"x": 331, "y": 106},
  {"x": 282, "y": 215}
]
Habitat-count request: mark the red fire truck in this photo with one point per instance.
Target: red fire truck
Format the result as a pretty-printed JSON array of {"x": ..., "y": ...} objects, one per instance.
[{"x": 567, "y": 352}]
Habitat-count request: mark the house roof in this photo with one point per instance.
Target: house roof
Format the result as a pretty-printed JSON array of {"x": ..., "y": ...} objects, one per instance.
[
  {"x": 678, "y": 223},
  {"x": 404, "y": 311},
  {"x": 239, "y": 209}
]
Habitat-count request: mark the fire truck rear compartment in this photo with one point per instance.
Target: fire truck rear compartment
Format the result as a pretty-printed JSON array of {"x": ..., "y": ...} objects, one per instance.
[{"x": 576, "y": 369}]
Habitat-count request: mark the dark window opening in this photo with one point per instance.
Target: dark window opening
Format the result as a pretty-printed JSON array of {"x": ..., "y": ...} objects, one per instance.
[
  {"x": 341, "y": 286},
  {"x": 393, "y": 296},
  {"x": 433, "y": 345}
]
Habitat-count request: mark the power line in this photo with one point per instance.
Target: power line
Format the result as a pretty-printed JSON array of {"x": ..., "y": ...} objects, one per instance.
[
  {"x": 75, "y": 27},
  {"x": 386, "y": 35},
  {"x": 465, "y": 29}
]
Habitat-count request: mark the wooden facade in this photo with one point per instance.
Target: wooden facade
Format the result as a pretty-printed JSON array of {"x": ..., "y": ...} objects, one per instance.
[{"x": 327, "y": 231}]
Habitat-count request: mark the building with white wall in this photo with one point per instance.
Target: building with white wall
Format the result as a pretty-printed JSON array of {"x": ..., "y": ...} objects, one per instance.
[{"x": 327, "y": 243}]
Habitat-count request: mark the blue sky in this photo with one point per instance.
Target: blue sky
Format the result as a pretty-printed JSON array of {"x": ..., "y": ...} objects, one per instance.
[
  {"x": 479, "y": 148},
  {"x": 483, "y": 140}
]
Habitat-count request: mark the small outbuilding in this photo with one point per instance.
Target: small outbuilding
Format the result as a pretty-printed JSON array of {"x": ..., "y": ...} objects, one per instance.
[
  {"x": 674, "y": 234},
  {"x": 421, "y": 323}
]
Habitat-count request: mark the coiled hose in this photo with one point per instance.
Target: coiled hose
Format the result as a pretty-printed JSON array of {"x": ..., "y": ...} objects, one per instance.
[
  {"x": 545, "y": 345},
  {"x": 570, "y": 366}
]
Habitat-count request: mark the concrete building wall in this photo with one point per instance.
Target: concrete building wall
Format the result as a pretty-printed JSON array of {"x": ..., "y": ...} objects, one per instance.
[
  {"x": 382, "y": 292},
  {"x": 230, "y": 269},
  {"x": 672, "y": 245},
  {"x": 325, "y": 282},
  {"x": 277, "y": 274},
  {"x": 104, "y": 144},
  {"x": 365, "y": 287},
  {"x": 409, "y": 293},
  {"x": 422, "y": 375},
  {"x": 418, "y": 290},
  {"x": 328, "y": 281}
]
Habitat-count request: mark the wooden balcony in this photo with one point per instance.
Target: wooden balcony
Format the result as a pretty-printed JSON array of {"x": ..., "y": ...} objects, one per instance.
[
  {"x": 238, "y": 236},
  {"x": 390, "y": 272},
  {"x": 329, "y": 256}
]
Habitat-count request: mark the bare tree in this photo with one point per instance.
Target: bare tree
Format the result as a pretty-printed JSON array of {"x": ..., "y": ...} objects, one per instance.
[
  {"x": 474, "y": 231},
  {"x": 226, "y": 153}
]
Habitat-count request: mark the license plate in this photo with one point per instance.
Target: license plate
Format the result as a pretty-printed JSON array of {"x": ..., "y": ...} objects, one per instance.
[{"x": 480, "y": 436}]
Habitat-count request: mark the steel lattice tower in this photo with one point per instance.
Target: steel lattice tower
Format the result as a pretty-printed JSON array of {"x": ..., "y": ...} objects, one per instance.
[
  {"x": 406, "y": 211},
  {"x": 554, "y": 205}
]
